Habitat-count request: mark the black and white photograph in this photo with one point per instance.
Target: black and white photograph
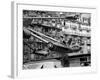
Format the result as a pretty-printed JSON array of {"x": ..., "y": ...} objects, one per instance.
[
  {"x": 52, "y": 40},
  {"x": 56, "y": 39}
]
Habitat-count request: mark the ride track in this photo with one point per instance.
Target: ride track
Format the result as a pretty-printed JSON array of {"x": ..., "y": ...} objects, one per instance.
[{"x": 55, "y": 44}]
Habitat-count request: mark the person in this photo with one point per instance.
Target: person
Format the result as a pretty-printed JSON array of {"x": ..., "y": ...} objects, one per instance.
[
  {"x": 69, "y": 41},
  {"x": 65, "y": 61},
  {"x": 42, "y": 67},
  {"x": 62, "y": 40}
]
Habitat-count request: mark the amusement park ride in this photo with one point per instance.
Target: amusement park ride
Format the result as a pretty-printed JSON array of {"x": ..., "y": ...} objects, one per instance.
[{"x": 48, "y": 47}]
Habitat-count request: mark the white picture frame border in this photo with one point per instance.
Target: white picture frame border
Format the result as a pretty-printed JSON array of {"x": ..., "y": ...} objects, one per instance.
[{"x": 17, "y": 48}]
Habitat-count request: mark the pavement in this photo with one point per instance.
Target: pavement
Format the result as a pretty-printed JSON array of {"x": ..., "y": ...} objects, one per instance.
[{"x": 53, "y": 63}]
